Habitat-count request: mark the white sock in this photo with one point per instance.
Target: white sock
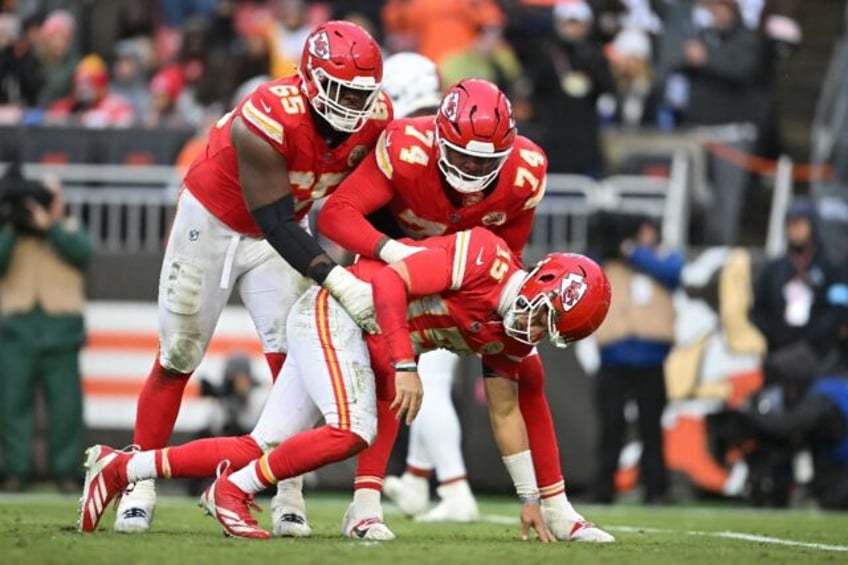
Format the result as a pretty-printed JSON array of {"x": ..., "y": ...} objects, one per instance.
[
  {"x": 247, "y": 480},
  {"x": 142, "y": 465},
  {"x": 559, "y": 503},
  {"x": 292, "y": 487},
  {"x": 367, "y": 502}
]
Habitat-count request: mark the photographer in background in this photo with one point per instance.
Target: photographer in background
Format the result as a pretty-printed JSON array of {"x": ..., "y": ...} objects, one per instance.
[
  {"x": 634, "y": 341},
  {"x": 42, "y": 257},
  {"x": 800, "y": 410}
]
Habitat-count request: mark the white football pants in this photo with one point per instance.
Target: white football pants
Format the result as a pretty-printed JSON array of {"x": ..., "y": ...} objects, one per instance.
[
  {"x": 204, "y": 259},
  {"x": 435, "y": 435},
  {"x": 327, "y": 373}
]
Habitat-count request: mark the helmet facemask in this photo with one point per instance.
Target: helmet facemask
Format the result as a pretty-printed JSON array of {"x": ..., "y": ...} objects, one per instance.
[
  {"x": 329, "y": 93},
  {"x": 519, "y": 318},
  {"x": 465, "y": 182}
]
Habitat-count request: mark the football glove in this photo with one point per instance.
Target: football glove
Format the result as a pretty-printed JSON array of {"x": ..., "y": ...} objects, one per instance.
[{"x": 355, "y": 296}]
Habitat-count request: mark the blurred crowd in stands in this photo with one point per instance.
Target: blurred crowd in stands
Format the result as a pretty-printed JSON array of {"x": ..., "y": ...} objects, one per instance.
[{"x": 570, "y": 66}]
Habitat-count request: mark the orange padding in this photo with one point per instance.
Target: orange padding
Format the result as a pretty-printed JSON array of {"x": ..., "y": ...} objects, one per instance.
[
  {"x": 115, "y": 386},
  {"x": 767, "y": 167},
  {"x": 149, "y": 341},
  {"x": 686, "y": 451}
]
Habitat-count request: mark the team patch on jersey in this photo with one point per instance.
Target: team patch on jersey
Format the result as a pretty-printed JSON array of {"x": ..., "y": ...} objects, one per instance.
[
  {"x": 492, "y": 348},
  {"x": 572, "y": 290},
  {"x": 494, "y": 219},
  {"x": 450, "y": 106},
  {"x": 357, "y": 154},
  {"x": 319, "y": 46}
]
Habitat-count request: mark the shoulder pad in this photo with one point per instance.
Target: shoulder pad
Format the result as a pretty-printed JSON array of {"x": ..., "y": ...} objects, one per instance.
[{"x": 405, "y": 145}]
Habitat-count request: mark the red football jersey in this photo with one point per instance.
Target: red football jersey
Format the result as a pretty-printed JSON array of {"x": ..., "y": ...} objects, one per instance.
[
  {"x": 403, "y": 172},
  {"x": 476, "y": 267},
  {"x": 278, "y": 112}
]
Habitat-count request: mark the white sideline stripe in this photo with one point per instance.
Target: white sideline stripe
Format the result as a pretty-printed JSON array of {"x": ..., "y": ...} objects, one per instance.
[{"x": 510, "y": 521}]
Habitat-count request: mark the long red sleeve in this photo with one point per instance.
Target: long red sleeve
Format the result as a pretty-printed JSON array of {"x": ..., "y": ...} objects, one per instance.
[
  {"x": 429, "y": 273},
  {"x": 342, "y": 218}
]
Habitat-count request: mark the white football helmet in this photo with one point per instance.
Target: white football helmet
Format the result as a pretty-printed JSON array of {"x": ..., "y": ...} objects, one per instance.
[{"x": 412, "y": 82}]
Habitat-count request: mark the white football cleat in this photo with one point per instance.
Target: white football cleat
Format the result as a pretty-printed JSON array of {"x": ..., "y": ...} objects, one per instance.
[
  {"x": 410, "y": 493},
  {"x": 288, "y": 510},
  {"x": 457, "y": 505},
  {"x": 579, "y": 530},
  {"x": 136, "y": 507},
  {"x": 289, "y": 518},
  {"x": 369, "y": 528}
]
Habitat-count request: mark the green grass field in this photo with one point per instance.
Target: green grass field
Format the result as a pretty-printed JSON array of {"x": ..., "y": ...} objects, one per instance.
[{"x": 40, "y": 528}]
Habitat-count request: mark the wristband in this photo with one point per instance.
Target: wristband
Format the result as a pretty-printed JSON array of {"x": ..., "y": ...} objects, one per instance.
[
  {"x": 407, "y": 367},
  {"x": 530, "y": 498}
]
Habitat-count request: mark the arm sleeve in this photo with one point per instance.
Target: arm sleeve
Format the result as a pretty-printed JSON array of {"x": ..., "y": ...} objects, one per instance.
[
  {"x": 665, "y": 268},
  {"x": 293, "y": 243},
  {"x": 73, "y": 245},
  {"x": 343, "y": 217},
  {"x": 429, "y": 273}
]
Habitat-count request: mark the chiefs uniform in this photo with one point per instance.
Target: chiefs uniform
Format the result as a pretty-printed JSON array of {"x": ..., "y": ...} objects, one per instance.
[
  {"x": 463, "y": 318},
  {"x": 279, "y": 113},
  {"x": 215, "y": 241},
  {"x": 338, "y": 368},
  {"x": 402, "y": 173}
]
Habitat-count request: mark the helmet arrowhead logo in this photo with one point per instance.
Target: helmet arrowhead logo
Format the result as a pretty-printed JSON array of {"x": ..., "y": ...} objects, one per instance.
[
  {"x": 450, "y": 106},
  {"x": 572, "y": 290},
  {"x": 319, "y": 45}
]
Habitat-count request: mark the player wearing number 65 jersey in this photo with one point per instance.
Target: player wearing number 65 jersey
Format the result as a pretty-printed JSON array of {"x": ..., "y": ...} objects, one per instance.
[
  {"x": 464, "y": 167},
  {"x": 239, "y": 221},
  {"x": 464, "y": 292}
]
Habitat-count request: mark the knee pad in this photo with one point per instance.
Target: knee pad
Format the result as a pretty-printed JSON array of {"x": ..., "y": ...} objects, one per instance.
[
  {"x": 181, "y": 290},
  {"x": 181, "y": 352}
]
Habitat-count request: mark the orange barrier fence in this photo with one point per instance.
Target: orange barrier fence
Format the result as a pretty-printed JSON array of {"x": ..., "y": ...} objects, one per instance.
[{"x": 766, "y": 167}]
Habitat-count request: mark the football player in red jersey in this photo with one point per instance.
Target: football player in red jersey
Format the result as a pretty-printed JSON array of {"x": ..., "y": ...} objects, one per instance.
[
  {"x": 241, "y": 221},
  {"x": 413, "y": 84},
  {"x": 465, "y": 292},
  {"x": 465, "y": 167}
]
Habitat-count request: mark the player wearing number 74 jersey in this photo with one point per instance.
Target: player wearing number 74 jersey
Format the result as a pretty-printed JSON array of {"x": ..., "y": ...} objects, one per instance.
[
  {"x": 464, "y": 167},
  {"x": 463, "y": 292}
]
